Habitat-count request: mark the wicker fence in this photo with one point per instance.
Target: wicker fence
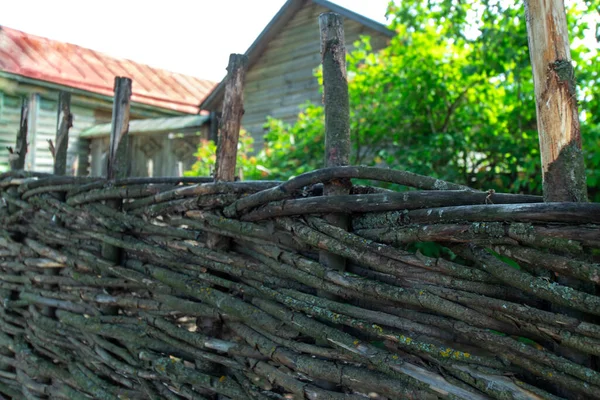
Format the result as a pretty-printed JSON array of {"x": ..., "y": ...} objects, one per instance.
[
  {"x": 202, "y": 288},
  {"x": 177, "y": 319}
]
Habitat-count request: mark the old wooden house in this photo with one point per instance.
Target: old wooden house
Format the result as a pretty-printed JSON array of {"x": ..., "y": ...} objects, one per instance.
[
  {"x": 168, "y": 110},
  {"x": 37, "y": 68},
  {"x": 282, "y": 62}
]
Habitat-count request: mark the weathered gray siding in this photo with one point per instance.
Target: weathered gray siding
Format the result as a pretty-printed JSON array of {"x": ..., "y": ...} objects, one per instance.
[
  {"x": 282, "y": 79},
  {"x": 10, "y": 112},
  {"x": 42, "y": 122},
  {"x": 43, "y": 118}
]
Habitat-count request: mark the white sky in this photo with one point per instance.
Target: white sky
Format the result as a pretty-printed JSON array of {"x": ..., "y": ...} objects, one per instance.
[{"x": 187, "y": 36}]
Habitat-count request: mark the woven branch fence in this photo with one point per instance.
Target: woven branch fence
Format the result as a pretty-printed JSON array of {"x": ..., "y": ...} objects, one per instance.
[
  {"x": 176, "y": 319},
  {"x": 314, "y": 288}
]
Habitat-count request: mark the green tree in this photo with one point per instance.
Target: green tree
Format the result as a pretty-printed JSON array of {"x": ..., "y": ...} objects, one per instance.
[
  {"x": 206, "y": 158},
  {"x": 451, "y": 96}
]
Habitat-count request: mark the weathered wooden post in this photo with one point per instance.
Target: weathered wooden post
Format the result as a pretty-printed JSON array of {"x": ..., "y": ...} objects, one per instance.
[
  {"x": 231, "y": 121},
  {"x": 228, "y": 137},
  {"x": 337, "y": 129},
  {"x": 563, "y": 169},
  {"x": 118, "y": 160},
  {"x": 118, "y": 156},
  {"x": 17, "y": 156},
  {"x": 64, "y": 123},
  {"x": 337, "y": 118}
]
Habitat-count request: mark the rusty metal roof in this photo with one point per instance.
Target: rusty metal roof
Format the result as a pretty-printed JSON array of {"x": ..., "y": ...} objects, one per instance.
[{"x": 77, "y": 67}]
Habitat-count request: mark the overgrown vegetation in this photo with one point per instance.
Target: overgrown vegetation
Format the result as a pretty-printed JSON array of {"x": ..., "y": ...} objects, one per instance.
[{"x": 451, "y": 96}]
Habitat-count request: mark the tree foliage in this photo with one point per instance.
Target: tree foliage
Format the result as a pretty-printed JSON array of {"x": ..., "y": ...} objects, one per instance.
[{"x": 452, "y": 96}]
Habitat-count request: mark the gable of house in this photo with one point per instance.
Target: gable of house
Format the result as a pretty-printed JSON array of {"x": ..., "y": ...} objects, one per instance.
[{"x": 282, "y": 63}]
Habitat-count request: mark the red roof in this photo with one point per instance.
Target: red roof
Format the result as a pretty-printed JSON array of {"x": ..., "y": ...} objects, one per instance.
[{"x": 77, "y": 67}]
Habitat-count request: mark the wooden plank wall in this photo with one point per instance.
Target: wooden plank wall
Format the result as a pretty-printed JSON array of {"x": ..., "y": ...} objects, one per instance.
[
  {"x": 283, "y": 78},
  {"x": 10, "y": 112},
  {"x": 43, "y": 127}
]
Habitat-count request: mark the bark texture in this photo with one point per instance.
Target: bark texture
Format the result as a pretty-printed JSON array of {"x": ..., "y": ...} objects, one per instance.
[
  {"x": 233, "y": 111},
  {"x": 17, "y": 156},
  {"x": 556, "y": 101},
  {"x": 563, "y": 168},
  {"x": 337, "y": 118},
  {"x": 467, "y": 321},
  {"x": 65, "y": 122},
  {"x": 118, "y": 156}
]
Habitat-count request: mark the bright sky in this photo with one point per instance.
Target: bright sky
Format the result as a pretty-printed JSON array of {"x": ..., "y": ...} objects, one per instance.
[{"x": 187, "y": 36}]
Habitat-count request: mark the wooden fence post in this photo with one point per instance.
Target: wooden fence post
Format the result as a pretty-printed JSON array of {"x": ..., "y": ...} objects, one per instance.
[
  {"x": 228, "y": 137},
  {"x": 337, "y": 132},
  {"x": 233, "y": 111},
  {"x": 64, "y": 123},
  {"x": 337, "y": 117},
  {"x": 17, "y": 156},
  {"x": 118, "y": 157},
  {"x": 227, "y": 142},
  {"x": 563, "y": 169}
]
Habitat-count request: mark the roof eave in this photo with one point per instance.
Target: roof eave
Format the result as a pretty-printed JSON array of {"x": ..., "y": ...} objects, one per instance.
[
  {"x": 85, "y": 93},
  {"x": 285, "y": 13},
  {"x": 146, "y": 127},
  {"x": 368, "y": 22}
]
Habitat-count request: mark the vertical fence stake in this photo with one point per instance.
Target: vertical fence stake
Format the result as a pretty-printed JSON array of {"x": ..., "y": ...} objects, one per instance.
[
  {"x": 337, "y": 118},
  {"x": 118, "y": 156},
  {"x": 563, "y": 169},
  {"x": 233, "y": 111},
  {"x": 65, "y": 122},
  {"x": 337, "y": 132},
  {"x": 17, "y": 157},
  {"x": 228, "y": 137},
  {"x": 118, "y": 160}
]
